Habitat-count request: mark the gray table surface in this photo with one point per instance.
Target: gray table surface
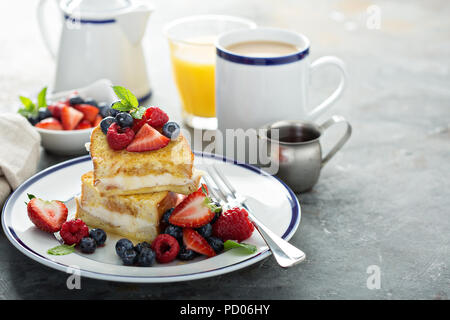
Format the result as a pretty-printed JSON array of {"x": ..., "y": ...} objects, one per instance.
[{"x": 382, "y": 201}]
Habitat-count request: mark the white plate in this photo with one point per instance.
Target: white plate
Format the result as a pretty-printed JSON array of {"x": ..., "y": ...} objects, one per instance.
[{"x": 276, "y": 206}]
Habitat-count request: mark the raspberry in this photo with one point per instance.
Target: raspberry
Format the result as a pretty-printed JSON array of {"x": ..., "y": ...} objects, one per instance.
[
  {"x": 119, "y": 138},
  {"x": 156, "y": 117},
  {"x": 233, "y": 224},
  {"x": 73, "y": 231},
  {"x": 166, "y": 248}
]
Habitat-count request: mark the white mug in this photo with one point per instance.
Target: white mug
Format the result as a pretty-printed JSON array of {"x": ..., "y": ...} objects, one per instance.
[{"x": 253, "y": 91}]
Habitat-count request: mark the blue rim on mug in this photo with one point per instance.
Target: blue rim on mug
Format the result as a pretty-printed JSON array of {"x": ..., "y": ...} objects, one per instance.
[{"x": 262, "y": 61}]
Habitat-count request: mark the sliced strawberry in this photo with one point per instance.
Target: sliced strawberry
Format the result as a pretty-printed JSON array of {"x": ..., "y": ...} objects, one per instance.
[
  {"x": 48, "y": 216},
  {"x": 138, "y": 123},
  {"x": 84, "y": 124},
  {"x": 89, "y": 112},
  {"x": 195, "y": 242},
  {"x": 50, "y": 124},
  {"x": 192, "y": 212},
  {"x": 147, "y": 139},
  {"x": 97, "y": 120},
  {"x": 70, "y": 117},
  {"x": 56, "y": 108}
]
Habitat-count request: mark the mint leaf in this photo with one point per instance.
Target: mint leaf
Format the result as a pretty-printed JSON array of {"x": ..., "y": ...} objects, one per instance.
[
  {"x": 31, "y": 196},
  {"x": 119, "y": 105},
  {"x": 245, "y": 247},
  {"x": 29, "y": 105},
  {"x": 61, "y": 250},
  {"x": 125, "y": 95},
  {"x": 41, "y": 100},
  {"x": 138, "y": 113}
]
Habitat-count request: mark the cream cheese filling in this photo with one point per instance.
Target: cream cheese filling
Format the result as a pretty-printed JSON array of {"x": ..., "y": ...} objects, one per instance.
[
  {"x": 117, "y": 219},
  {"x": 136, "y": 182}
]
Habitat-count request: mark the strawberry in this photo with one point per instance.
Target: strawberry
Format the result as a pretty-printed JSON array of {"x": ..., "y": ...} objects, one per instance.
[
  {"x": 193, "y": 211},
  {"x": 156, "y": 117},
  {"x": 56, "y": 108},
  {"x": 84, "y": 124},
  {"x": 138, "y": 123},
  {"x": 147, "y": 139},
  {"x": 70, "y": 117},
  {"x": 195, "y": 242},
  {"x": 50, "y": 124},
  {"x": 97, "y": 120},
  {"x": 48, "y": 216},
  {"x": 89, "y": 112}
]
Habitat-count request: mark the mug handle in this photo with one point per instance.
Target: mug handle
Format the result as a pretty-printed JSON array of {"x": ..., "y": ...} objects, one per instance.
[
  {"x": 43, "y": 29},
  {"x": 329, "y": 60},
  {"x": 348, "y": 132}
]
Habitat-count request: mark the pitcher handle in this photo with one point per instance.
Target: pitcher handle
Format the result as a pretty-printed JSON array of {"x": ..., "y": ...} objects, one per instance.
[
  {"x": 334, "y": 61},
  {"x": 348, "y": 132},
  {"x": 43, "y": 29}
]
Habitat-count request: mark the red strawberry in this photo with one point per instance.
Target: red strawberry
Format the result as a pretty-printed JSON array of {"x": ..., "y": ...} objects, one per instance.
[
  {"x": 56, "y": 108},
  {"x": 84, "y": 124},
  {"x": 70, "y": 117},
  {"x": 89, "y": 112},
  {"x": 195, "y": 242},
  {"x": 138, "y": 123},
  {"x": 48, "y": 216},
  {"x": 147, "y": 139},
  {"x": 97, "y": 120},
  {"x": 156, "y": 117},
  {"x": 50, "y": 124},
  {"x": 119, "y": 138},
  {"x": 192, "y": 212}
]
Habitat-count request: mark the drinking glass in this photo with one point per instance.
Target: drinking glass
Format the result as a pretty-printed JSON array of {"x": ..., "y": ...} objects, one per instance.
[{"x": 193, "y": 54}]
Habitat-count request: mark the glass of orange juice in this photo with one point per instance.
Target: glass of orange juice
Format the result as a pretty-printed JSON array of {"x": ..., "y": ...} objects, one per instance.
[{"x": 193, "y": 55}]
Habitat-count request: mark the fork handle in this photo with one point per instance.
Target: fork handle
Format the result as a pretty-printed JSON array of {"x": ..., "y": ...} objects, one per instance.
[{"x": 285, "y": 253}]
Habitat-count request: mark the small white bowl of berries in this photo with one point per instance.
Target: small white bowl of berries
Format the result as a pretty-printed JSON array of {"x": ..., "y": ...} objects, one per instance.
[{"x": 65, "y": 119}]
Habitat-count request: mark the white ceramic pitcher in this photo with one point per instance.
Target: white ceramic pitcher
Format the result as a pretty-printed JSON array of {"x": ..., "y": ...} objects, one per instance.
[{"x": 99, "y": 39}]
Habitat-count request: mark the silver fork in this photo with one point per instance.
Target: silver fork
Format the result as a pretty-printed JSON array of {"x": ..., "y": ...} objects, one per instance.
[{"x": 286, "y": 254}]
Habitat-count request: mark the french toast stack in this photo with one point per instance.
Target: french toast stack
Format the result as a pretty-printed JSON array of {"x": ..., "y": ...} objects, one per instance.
[{"x": 128, "y": 192}]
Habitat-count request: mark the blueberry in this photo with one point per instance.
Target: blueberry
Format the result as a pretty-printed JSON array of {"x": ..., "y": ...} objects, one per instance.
[
  {"x": 76, "y": 99},
  {"x": 87, "y": 245},
  {"x": 205, "y": 231},
  {"x": 129, "y": 257},
  {"x": 146, "y": 257},
  {"x": 186, "y": 254},
  {"x": 98, "y": 235},
  {"x": 215, "y": 243},
  {"x": 124, "y": 120},
  {"x": 44, "y": 114},
  {"x": 174, "y": 231},
  {"x": 123, "y": 245},
  {"x": 171, "y": 130},
  {"x": 166, "y": 216},
  {"x": 141, "y": 245},
  {"x": 106, "y": 123},
  {"x": 91, "y": 102},
  {"x": 111, "y": 112},
  {"x": 103, "y": 107},
  {"x": 33, "y": 120}
]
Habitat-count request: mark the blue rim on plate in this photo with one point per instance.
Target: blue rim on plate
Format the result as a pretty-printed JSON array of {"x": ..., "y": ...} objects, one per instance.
[{"x": 18, "y": 243}]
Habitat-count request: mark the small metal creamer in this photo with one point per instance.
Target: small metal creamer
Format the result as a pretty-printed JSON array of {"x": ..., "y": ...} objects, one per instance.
[{"x": 297, "y": 151}]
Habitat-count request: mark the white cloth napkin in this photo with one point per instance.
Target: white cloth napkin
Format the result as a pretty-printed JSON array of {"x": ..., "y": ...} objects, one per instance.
[{"x": 19, "y": 152}]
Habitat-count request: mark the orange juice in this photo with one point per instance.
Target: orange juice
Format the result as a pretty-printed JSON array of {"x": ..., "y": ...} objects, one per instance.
[{"x": 193, "y": 68}]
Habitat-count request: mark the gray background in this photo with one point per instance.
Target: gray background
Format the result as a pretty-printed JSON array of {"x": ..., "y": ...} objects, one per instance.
[{"x": 383, "y": 200}]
